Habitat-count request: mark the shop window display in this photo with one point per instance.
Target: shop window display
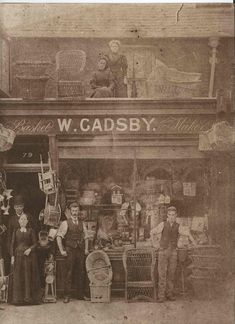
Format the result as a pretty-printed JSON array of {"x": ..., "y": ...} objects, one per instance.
[{"x": 158, "y": 185}]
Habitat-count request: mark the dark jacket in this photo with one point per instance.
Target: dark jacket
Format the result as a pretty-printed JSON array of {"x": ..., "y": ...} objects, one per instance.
[{"x": 169, "y": 235}]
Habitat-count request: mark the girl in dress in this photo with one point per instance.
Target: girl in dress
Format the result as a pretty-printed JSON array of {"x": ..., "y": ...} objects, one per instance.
[{"x": 25, "y": 286}]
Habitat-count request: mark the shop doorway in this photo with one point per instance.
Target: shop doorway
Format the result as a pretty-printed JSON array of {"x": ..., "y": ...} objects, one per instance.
[{"x": 26, "y": 185}]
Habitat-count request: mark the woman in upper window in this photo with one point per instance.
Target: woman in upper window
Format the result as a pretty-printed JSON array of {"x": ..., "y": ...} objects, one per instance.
[
  {"x": 117, "y": 63},
  {"x": 102, "y": 82}
]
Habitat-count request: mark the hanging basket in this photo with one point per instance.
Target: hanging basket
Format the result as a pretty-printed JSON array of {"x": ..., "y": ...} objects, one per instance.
[
  {"x": 7, "y": 137},
  {"x": 52, "y": 215},
  {"x": 47, "y": 182}
]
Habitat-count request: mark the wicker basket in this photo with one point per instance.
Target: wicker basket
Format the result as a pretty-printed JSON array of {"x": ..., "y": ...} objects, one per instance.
[
  {"x": 172, "y": 89},
  {"x": 211, "y": 261},
  {"x": 71, "y": 89},
  {"x": 205, "y": 272},
  {"x": 100, "y": 294},
  {"x": 207, "y": 250},
  {"x": 37, "y": 68}
]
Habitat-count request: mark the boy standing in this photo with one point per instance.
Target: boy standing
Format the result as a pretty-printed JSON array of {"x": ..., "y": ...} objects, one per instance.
[{"x": 167, "y": 255}]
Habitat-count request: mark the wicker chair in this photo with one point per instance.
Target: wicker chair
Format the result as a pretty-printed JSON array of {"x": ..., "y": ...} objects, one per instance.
[
  {"x": 70, "y": 65},
  {"x": 139, "y": 274}
]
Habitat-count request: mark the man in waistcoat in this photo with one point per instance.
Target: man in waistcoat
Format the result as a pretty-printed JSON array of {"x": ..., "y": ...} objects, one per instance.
[
  {"x": 75, "y": 246},
  {"x": 167, "y": 255}
]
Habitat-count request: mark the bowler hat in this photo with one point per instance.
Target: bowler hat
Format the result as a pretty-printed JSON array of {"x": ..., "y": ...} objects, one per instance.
[
  {"x": 74, "y": 204},
  {"x": 18, "y": 200}
]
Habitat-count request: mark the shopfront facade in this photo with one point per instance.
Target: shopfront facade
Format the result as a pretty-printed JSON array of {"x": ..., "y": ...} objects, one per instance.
[
  {"x": 102, "y": 142},
  {"x": 146, "y": 145}
]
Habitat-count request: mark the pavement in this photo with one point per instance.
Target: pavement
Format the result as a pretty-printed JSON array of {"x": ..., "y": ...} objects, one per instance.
[{"x": 185, "y": 310}]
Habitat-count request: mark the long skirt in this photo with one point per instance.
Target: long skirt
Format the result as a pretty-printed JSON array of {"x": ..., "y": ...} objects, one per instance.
[{"x": 26, "y": 283}]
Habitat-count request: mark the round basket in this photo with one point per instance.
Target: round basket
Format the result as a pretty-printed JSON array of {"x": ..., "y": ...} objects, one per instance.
[{"x": 99, "y": 268}]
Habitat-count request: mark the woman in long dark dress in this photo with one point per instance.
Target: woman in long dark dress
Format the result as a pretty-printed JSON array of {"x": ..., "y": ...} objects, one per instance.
[
  {"x": 25, "y": 286},
  {"x": 102, "y": 81},
  {"x": 118, "y": 65}
]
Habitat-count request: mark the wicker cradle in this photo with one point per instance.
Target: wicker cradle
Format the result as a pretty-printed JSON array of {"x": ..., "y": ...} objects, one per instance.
[{"x": 100, "y": 274}]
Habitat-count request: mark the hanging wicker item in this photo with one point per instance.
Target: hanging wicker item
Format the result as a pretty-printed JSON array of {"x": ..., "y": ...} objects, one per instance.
[
  {"x": 47, "y": 180},
  {"x": 48, "y": 183},
  {"x": 5, "y": 194},
  {"x": 52, "y": 214},
  {"x": 7, "y": 137}
]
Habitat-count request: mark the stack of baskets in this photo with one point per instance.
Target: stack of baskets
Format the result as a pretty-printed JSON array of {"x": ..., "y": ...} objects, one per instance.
[
  {"x": 100, "y": 274},
  {"x": 206, "y": 270}
]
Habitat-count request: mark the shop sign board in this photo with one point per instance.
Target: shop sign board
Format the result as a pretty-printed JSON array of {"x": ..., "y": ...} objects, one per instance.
[{"x": 111, "y": 125}]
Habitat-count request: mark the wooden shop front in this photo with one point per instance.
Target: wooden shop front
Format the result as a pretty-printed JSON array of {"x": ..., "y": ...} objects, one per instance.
[{"x": 96, "y": 144}]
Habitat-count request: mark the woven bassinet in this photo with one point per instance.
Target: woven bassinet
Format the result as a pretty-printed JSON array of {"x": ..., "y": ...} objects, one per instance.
[{"x": 99, "y": 268}]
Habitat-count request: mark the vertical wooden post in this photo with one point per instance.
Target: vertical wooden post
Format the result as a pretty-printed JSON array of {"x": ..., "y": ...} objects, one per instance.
[
  {"x": 232, "y": 82},
  {"x": 213, "y": 43},
  {"x": 134, "y": 198}
]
